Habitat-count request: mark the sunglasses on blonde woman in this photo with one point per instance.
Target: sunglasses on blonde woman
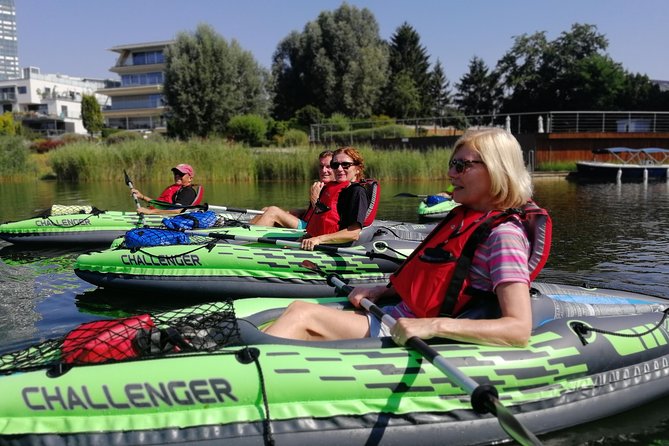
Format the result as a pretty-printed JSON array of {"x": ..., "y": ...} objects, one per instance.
[{"x": 461, "y": 165}]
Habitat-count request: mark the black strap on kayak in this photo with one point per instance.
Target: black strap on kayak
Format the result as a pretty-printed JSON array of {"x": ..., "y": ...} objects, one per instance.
[{"x": 582, "y": 330}]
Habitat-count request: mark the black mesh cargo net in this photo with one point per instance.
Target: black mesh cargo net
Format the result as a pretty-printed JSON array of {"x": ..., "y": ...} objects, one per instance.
[{"x": 207, "y": 327}]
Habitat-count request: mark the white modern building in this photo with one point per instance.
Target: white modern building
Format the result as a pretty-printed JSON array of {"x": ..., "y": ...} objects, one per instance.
[
  {"x": 138, "y": 102},
  {"x": 49, "y": 103}
]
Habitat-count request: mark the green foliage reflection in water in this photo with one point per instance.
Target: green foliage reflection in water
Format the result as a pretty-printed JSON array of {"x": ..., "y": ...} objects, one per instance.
[{"x": 216, "y": 160}]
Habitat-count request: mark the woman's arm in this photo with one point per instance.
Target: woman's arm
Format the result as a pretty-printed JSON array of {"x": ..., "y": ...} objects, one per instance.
[
  {"x": 513, "y": 328},
  {"x": 349, "y": 234}
]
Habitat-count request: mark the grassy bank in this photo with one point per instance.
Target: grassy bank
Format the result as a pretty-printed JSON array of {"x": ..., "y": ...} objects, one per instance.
[{"x": 217, "y": 161}]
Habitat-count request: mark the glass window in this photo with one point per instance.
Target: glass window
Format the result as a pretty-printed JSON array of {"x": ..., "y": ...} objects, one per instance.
[
  {"x": 22, "y": 90},
  {"x": 140, "y": 101},
  {"x": 154, "y": 78},
  {"x": 147, "y": 57}
]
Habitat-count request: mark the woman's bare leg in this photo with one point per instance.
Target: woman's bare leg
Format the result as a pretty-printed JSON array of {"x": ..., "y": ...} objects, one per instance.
[
  {"x": 274, "y": 215},
  {"x": 313, "y": 322}
]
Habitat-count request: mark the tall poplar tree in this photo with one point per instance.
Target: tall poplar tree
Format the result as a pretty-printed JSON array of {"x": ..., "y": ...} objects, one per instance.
[
  {"x": 208, "y": 81},
  {"x": 91, "y": 115}
]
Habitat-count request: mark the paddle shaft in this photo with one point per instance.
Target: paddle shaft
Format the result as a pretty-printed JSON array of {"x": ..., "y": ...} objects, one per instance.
[
  {"x": 129, "y": 183},
  {"x": 206, "y": 207},
  {"x": 484, "y": 397},
  {"x": 290, "y": 244},
  {"x": 410, "y": 195}
]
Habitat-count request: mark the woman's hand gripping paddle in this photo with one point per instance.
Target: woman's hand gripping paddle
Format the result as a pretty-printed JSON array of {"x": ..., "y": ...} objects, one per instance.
[{"x": 484, "y": 397}]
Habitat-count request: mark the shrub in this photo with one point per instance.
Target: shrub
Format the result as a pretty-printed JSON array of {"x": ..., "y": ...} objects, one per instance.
[
  {"x": 382, "y": 120},
  {"x": 107, "y": 131},
  {"x": 295, "y": 137},
  {"x": 338, "y": 123},
  {"x": 123, "y": 136},
  {"x": 7, "y": 124},
  {"x": 70, "y": 138},
  {"x": 276, "y": 129},
  {"x": 306, "y": 116},
  {"x": 14, "y": 156},
  {"x": 45, "y": 145},
  {"x": 249, "y": 129},
  {"x": 388, "y": 131}
]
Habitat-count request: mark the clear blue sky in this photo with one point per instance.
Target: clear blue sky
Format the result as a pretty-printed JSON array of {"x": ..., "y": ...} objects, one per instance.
[{"x": 73, "y": 36}]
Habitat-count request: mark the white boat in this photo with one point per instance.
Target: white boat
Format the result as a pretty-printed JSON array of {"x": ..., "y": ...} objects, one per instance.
[{"x": 626, "y": 164}]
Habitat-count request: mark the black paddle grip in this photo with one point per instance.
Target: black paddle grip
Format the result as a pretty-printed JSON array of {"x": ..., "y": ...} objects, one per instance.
[{"x": 482, "y": 399}]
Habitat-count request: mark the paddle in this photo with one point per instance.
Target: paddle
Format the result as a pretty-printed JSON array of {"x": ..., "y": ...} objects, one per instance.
[
  {"x": 129, "y": 183},
  {"x": 380, "y": 245},
  {"x": 484, "y": 397},
  {"x": 205, "y": 207},
  {"x": 410, "y": 195}
]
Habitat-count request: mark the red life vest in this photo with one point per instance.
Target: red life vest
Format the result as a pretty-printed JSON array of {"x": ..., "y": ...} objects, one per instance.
[
  {"x": 373, "y": 194},
  {"x": 170, "y": 193},
  {"x": 325, "y": 218},
  {"x": 434, "y": 280}
]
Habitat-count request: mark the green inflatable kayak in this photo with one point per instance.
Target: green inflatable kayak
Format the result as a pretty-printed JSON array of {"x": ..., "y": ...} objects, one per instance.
[
  {"x": 206, "y": 375},
  {"x": 85, "y": 225},
  {"x": 434, "y": 207},
  {"x": 208, "y": 266}
]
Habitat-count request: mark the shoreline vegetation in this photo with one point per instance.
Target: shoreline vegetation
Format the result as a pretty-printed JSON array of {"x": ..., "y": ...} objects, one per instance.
[{"x": 214, "y": 160}]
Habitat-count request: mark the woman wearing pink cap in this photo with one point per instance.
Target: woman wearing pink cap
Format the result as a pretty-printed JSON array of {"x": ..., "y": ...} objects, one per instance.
[{"x": 182, "y": 192}]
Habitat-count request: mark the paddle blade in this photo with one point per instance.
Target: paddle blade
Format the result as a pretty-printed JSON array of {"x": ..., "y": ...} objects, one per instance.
[
  {"x": 511, "y": 425},
  {"x": 127, "y": 178},
  {"x": 409, "y": 195}
]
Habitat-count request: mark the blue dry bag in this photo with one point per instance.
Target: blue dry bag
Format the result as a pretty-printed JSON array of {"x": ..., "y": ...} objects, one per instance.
[
  {"x": 192, "y": 220},
  {"x": 431, "y": 200}
]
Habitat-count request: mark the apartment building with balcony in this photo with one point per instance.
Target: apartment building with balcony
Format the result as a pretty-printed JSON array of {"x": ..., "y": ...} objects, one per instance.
[
  {"x": 49, "y": 103},
  {"x": 137, "y": 104}
]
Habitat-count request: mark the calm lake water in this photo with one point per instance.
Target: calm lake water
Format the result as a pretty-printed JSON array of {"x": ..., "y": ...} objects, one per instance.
[{"x": 606, "y": 235}]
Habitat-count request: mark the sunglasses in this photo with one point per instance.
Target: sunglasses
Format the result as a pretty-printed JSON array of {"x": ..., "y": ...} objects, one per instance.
[
  {"x": 461, "y": 165},
  {"x": 345, "y": 165}
]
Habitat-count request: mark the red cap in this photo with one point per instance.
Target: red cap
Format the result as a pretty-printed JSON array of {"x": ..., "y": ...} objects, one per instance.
[{"x": 184, "y": 168}]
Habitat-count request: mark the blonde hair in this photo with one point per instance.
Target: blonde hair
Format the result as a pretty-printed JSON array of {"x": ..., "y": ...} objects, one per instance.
[
  {"x": 356, "y": 157},
  {"x": 510, "y": 182}
]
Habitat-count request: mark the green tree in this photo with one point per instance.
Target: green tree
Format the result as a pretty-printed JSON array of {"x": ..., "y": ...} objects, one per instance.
[
  {"x": 639, "y": 93},
  {"x": 538, "y": 74},
  {"x": 91, "y": 115},
  {"x": 338, "y": 63},
  {"x": 409, "y": 72},
  {"x": 439, "y": 91},
  {"x": 208, "y": 81},
  {"x": 403, "y": 100},
  {"x": 479, "y": 91}
]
